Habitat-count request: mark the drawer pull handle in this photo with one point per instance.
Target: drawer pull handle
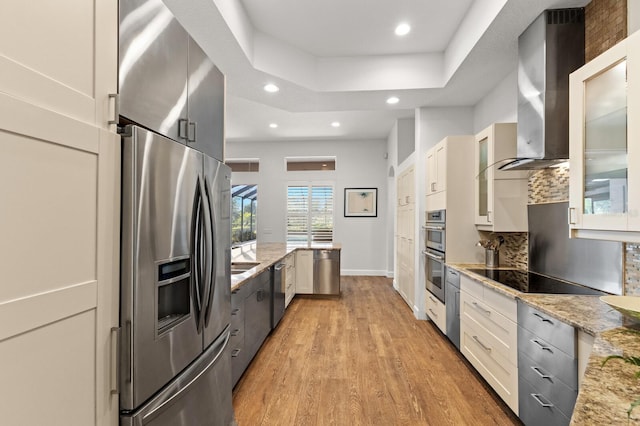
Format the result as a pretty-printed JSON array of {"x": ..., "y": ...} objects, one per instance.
[
  {"x": 540, "y": 373},
  {"x": 540, "y": 401},
  {"x": 237, "y": 331},
  {"x": 235, "y": 353},
  {"x": 481, "y": 309},
  {"x": 432, "y": 299},
  {"x": 543, "y": 319},
  {"x": 235, "y": 311},
  {"x": 486, "y": 348},
  {"x": 433, "y": 313},
  {"x": 543, "y": 347}
]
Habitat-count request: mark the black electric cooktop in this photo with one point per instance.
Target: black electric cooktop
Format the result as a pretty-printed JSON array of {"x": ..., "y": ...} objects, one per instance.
[{"x": 530, "y": 282}]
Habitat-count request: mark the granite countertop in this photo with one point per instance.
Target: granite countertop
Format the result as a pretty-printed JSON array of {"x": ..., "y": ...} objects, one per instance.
[
  {"x": 606, "y": 391},
  {"x": 266, "y": 254}
]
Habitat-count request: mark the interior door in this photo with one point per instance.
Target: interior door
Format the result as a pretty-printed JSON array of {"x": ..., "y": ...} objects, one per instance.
[
  {"x": 159, "y": 183},
  {"x": 218, "y": 310}
]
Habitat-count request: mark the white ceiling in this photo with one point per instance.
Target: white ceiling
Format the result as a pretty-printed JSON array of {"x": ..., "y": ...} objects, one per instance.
[
  {"x": 339, "y": 60},
  {"x": 357, "y": 27}
]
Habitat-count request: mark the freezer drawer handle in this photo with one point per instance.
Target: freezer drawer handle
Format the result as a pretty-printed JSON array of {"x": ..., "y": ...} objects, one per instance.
[{"x": 173, "y": 393}]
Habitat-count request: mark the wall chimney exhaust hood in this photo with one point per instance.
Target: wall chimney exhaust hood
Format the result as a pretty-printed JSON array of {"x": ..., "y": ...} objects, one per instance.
[{"x": 549, "y": 50}]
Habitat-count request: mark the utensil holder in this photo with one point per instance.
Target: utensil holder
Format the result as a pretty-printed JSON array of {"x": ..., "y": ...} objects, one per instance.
[{"x": 492, "y": 259}]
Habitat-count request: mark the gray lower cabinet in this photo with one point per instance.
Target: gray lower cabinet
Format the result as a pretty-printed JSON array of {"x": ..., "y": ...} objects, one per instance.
[
  {"x": 547, "y": 368},
  {"x": 250, "y": 321}
]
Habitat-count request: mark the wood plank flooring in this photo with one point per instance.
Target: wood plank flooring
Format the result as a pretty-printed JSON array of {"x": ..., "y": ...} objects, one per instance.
[{"x": 362, "y": 359}]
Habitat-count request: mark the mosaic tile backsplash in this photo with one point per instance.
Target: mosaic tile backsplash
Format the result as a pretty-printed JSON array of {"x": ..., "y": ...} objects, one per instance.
[
  {"x": 514, "y": 250},
  {"x": 549, "y": 185},
  {"x": 552, "y": 185}
]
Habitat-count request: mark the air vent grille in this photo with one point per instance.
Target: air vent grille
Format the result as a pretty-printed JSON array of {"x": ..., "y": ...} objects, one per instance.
[{"x": 565, "y": 16}]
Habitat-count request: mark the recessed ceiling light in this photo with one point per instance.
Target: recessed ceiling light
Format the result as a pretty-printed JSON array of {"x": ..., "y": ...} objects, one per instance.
[
  {"x": 403, "y": 29},
  {"x": 271, "y": 88},
  {"x": 335, "y": 124},
  {"x": 273, "y": 125},
  {"x": 393, "y": 100}
]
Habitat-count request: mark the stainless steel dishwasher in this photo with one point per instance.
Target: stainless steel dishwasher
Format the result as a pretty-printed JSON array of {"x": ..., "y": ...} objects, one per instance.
[
  {"x": 452, "y": 304},
  {"x": 326, "y": 272},
  {"x": 277, "y": 293}
]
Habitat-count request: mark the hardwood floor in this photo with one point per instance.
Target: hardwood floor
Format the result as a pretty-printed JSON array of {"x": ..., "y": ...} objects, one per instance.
[{"x": 362, "y": 359}]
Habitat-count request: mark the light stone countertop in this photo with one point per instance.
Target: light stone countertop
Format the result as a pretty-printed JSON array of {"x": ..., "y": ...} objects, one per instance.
[
  {"x": 266, "y": 254},
  {"x": 606, "y": 391}
]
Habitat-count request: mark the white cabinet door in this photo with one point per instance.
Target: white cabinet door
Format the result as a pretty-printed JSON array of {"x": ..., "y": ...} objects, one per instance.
[
  {"x": 304, "y": 272},
  {"x": 59, "y": 168},
  {"x": 604, "y": 200},
  {"x": 500, "y": 196}
]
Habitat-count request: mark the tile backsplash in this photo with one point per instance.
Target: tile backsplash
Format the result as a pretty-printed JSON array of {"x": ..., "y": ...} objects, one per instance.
[
  {"x": 632, "y": 269},
  {"x": 514, "y": 250},
  {"x": 549, "y": 185},
  {"x": 552, "y": 185}
]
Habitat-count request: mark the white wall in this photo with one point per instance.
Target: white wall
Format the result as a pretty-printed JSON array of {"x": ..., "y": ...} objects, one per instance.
[
  {"x": 359, "y": 164},
  {"x": 498, "y": 106}
]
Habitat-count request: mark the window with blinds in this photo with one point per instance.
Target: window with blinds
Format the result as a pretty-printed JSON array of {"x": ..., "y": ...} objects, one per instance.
[{"x": 309, "y": 213}]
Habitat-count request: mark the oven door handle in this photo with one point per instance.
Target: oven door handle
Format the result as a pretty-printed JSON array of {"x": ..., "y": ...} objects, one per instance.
[
  {"x": 433, "y": 227},
  {"x": 433, "y": 256}
]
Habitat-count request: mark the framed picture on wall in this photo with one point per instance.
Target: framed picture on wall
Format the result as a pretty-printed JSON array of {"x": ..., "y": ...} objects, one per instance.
[{"x": 360, "y": 202}]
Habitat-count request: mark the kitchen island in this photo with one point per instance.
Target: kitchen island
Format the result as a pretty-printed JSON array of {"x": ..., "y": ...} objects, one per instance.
[
  {"x": 267, "y": 254},
  {"x": 605, "y": 392}
]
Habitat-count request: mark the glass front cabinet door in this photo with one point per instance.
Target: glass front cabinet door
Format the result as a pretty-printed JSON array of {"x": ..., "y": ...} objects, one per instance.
[
  {"x": 500, "y": 196},
  {"x": 604, "y": 145}
]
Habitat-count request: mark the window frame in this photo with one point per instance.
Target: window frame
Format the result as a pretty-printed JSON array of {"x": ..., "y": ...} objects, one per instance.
[{"x": 309, "y": 233}]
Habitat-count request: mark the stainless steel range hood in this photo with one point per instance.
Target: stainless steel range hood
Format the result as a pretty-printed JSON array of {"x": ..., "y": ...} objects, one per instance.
[{"x": 548, "y": 51}]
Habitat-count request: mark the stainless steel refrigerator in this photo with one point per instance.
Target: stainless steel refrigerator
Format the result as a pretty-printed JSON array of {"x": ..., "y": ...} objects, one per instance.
[{"x": 175, "y": 283}]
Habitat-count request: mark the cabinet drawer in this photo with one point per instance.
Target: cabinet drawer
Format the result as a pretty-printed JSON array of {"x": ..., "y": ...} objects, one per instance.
[
  {"x": 549, "y": 358},
  {"x": 501, "y": 332},
  {"x": 437, "y": 312},
  {"x": 554, "y": 331},
  {"x": 507, "y": 306},
  {"x": 546, "y": 384},
  {"x": 472, "y": 287},
  {"x": 498, "y": 371},
  {"x": 236, "y": 338},
  {"x": 237, "y": 316},
  {"x": 535, "y": 409}
]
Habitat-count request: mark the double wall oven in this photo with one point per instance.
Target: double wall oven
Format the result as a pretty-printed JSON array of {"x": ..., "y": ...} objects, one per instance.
[{"x": 435, "y": 245}]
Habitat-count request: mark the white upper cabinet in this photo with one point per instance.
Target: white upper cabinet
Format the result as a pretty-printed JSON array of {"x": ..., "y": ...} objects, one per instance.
[
  {"x": 500, "y": 196},
  {"x": 437, "y": 168},
  {"x": 604, "y": 201}
]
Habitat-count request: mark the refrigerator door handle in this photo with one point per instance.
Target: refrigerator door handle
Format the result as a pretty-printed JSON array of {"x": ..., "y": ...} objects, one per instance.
[
  {"x": 205, "y": 253},
  {"x": 211, "y": 258},
  {"x": 196, "y": 235}
]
